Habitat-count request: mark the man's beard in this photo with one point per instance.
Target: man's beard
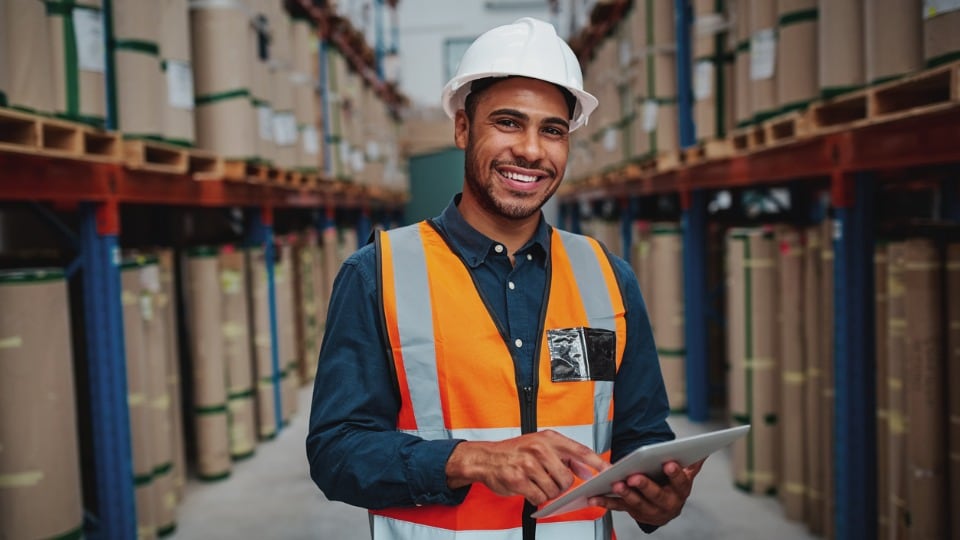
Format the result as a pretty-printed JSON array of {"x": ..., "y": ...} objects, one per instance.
[{"x": 484, "y": 195}]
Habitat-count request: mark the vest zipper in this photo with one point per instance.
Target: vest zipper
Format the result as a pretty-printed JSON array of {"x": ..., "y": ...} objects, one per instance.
[{"x": 528, "y": 424}]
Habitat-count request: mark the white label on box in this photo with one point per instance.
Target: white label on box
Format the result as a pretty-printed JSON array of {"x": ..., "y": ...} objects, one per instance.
[
  {"x": 626, "y": 53},
  {"x": 610, "y": 139},
  {"x": 709, "y": 24},
  {"x": 763, "y": 54},
  {"x": 650, "y": 111},
  {"x": 703, "y": 80},
  {"x": 373, "y": 150},
  {"x": 311, "y": 145},
  {"x": 179, "y": 84},
  {"x": 345, "y": 154},
  {"x": 150, "y": 278},
  {"x": 88, "y": 27},
  {"x": 285, "y": 129},
  {"x": 358, "y": 162},
  {"x": 932, "y": 8},
  {"x": 265, "y": 122}
]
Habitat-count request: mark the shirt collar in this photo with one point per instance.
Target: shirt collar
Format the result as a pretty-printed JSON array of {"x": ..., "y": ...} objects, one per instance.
[{"x": 474, "y": 246}]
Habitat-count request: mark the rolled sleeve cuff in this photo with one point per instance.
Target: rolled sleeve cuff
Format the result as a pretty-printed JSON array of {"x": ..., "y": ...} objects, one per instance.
[{"x": 425, "y": 467}]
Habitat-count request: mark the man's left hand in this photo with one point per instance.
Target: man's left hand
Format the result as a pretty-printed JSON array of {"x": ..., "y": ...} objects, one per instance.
[{"x": 650, "y": 503}]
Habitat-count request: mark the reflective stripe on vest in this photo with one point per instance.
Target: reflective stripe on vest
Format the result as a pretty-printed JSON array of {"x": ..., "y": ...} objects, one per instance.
[
  {"x": 450, "y": 357},
  {"x": 601, "y": 529},
  {"x": 589, "y": 278}
]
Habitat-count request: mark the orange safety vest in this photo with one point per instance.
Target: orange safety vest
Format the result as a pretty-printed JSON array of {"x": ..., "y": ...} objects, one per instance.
[{"x": 457, "y": 379}]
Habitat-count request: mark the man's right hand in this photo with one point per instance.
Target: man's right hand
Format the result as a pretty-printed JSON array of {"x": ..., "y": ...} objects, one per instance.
[{"x": 539, "y": 466}]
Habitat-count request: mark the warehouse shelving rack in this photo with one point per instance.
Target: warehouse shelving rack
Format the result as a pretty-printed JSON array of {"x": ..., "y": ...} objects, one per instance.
[
  {"x": 97, "y": 185},
  {"x": 849, "y": 161}
]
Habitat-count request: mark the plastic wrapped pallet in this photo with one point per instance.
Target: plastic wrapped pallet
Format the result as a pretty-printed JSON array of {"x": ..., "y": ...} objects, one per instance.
[
  {"x": 177, "y": 122},
  {"x": 41, "y": 493},
  {"x": 894, "y": 38},
  {"x": 142, "y": 437},
  {"x": 77, "y": 38},
  {"x": 763, "y": 58},
  {"x": 261, "y": 88},
  {"x": 221, "y": 46},
  {"x": 896, "y": 496},
  {"x": 841, "y": 46},
  {"x": 740, "y": 21},
  {"x": 304, "y": 43},
  {"x": 754, "y": 375},
  {"x": 666, "y": 315},
  {"x": 924, "y": 373},
  {"x": 204, "y": 308},
  {"x": 659, "y": 110},
  {"x": 883, "y": 396},
  {"x": 941, "y": 40},
  {"x": 797, "y": 82},
  {"x": 262, "y": 344},
  {"x": 139, "y": 79},
  {"x": 284, "y": 100},
  {"x": 235, "y": 326},
  {"x": 953, "y": 378},
  {"x": 792, "y": 489},
  {"x": 26, "y": 56},
  {"x": 708, "y": 75},
  {"x": 167, "y": 309},
  {"x": 813, "y": 410}
]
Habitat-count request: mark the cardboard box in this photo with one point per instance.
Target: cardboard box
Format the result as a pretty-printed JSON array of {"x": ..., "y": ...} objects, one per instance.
[
  {"x": 883, "y": 396},
  {"x": 893, "y": 33},
  {"x": 813, "y": 411},
  {"x": 897, "y": 352},
  {"x": 667, "y": 315},
  {"x": 953, "y": 374}
]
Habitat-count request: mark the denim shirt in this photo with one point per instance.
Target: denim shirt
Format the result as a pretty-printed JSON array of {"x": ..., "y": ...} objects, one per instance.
[{"x": 355, "y": 453}]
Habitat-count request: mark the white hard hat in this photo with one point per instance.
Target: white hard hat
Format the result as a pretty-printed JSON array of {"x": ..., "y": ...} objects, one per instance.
[{"x": 527, "y": 48}]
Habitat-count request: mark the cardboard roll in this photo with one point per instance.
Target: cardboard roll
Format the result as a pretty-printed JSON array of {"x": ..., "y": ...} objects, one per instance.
[{"x": 40, "y": 492}]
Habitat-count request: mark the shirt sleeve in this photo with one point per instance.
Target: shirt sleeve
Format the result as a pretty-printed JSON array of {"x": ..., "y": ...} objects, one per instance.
[{"x": 355, "y": 452}]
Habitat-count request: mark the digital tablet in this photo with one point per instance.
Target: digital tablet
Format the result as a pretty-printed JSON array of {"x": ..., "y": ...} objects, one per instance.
[{"x": 648, "y": 460}]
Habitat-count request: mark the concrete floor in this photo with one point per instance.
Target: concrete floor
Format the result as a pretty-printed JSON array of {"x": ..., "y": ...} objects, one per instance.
[{"x": 271, "y": 496}]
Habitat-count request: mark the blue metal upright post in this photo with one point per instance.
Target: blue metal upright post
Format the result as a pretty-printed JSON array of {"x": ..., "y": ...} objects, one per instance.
[
  {"x": 364, "y": 228},
  {"x": 695, "y": 301},
  {"x": 262, "y": 234},
  {"x": 626, "y": 227},
  {"x": 107, "y": 365},
  {"x": 683, "y": 18},
  {"x": 575, "y": 218},
  {"x": 855, "y": 436},
  {"x": 694, "y": 236},
  {"x": 325, "y": 103}
]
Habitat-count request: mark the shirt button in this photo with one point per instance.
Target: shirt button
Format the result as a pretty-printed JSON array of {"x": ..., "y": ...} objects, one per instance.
[
  {"x": 529, "y": 257},
  {"x": 518, "y": 343},
  {"x": 511, "y": 285},
  {"x": 498, "y": 248}
]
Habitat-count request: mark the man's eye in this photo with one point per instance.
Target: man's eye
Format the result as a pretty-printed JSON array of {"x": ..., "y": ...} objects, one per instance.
[
  {"x": 555, "y": 132},
  {"x": 506, "y": 122}
]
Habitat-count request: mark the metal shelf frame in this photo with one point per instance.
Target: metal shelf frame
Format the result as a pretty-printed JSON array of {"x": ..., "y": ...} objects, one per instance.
[{"x": 849, "y": 161}]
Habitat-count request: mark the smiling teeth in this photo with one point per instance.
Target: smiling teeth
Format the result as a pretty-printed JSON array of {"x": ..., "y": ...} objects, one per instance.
[{"x": 520, "y": 177}]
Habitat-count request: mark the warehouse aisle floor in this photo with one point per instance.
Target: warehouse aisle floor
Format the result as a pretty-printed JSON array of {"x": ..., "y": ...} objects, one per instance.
[{"x": 271, "y": 496}]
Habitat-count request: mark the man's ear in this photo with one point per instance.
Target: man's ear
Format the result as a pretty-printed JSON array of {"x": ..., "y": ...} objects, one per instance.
[{"x": 461, "y": 129}]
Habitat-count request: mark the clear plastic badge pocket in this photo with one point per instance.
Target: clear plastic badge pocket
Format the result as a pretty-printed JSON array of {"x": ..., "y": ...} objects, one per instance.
[{"x": 582, "y": 354}]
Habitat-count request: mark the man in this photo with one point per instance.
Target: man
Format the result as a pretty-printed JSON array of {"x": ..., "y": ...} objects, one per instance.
[{"x": 474, "y": 364}]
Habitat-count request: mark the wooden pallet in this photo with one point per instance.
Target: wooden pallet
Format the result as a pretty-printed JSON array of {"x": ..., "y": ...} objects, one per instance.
[
  {"x": 707, "y": 150},
  {"x": 923, "y": 92},
  {"x": 240, "y": 170},
  {"x": 203, "y": 165},
  {"x": 748, "y": 139},
  {"x": 147, "y": 155},
  {"x": 32, "y": 134},
  {"x": 785, "y": 129}
]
